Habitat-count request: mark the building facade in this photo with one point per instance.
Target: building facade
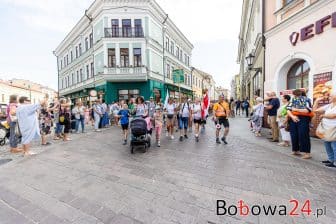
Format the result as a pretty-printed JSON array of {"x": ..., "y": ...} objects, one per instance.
[
  {"x": 251, "y": 44},
  {"x": 123, "y": 49},
  {"x": 300, "y": 51},
  {"x": 202, "y": 81},
  {"x": 235, "y": 87},
  {"x": 22, "y": 87}
]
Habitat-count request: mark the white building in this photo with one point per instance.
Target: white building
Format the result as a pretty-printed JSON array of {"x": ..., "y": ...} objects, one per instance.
[{"x": 123, "y": 49}]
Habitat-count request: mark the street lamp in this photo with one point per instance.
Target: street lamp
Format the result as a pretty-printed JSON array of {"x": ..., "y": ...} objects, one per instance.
[{"x": 249, "y": 60}]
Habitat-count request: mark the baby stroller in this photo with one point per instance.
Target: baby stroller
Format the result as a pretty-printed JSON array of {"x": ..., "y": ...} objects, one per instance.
[
  {"x": 4, "y": 132},
  {"x": 139, "y": 134}
]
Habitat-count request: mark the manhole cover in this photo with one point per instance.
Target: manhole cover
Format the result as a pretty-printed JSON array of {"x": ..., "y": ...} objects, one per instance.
[{"x": 4, "y": 161}]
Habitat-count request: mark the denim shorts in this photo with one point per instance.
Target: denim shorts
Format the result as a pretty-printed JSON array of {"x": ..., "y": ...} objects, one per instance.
[{"x": 183, "y": 122}]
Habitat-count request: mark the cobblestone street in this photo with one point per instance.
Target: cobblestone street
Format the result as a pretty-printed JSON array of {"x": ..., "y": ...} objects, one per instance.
[{"x": 94, "y": 179}]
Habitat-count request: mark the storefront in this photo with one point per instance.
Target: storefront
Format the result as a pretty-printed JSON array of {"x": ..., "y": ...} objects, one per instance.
[
  {"x": 301, "y": 50},
  {"x": 176, "y": 92}
]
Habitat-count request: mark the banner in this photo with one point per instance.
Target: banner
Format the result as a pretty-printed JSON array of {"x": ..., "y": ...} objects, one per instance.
[{"x": 322, "y": 87}]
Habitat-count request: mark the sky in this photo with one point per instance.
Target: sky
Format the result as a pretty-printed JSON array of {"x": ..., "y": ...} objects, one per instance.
[{"x": 32, "y": 29}]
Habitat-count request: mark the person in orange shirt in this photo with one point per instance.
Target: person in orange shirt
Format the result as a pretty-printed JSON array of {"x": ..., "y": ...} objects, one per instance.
[{"x": 221, "y": 111}]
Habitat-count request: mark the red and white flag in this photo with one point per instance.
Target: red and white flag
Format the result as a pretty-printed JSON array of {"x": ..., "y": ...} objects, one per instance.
[{"x": 205, "y": 105}]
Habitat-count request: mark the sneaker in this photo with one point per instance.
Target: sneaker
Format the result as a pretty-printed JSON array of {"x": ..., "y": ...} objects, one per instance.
[
  {"x": 330, "y": 165},
  {"x": 217, "y": 141},
  {"x": 224, "y": 140},
  {"x": 172, "y": 137},
  {"x": 326, "y": 161},
  {"x": 125, "y": 142},
  {"x": 186, "y": 136},
  {"x": 181, "y": 138},
  {"x": 197, "y": 139},
  {"x": 158, "y": 144}
]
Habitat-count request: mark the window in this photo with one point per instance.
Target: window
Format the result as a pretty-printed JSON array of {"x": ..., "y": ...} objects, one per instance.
[
  {"x": 91, "y": 40},
  {"x": 188, "y": 61},
  {"x": 124, "y": 57},
  {"x": 72, "y": 78},
  {"x": 71, "y": 56},
  {"x": 298, "y": 75},
  {"x": 177, "y": 52},
  {"x": 77, "y": 78},
  {"x": 181, "y": 55},
  {"x": 64, "y": 59},
  {"x": 138, "y": 28},
  {"x": 128, "y": 94},
  {"x": 172, "y": 68},
  {"x": 185, "y": 58},
  {"x": 87, "y": 72},
  {"x": 67, "y": 59},
  {"x": 286, "y": 2},
  {"x": 61, "y": 64},
  {"x": 137, "y": 57},
  {"x": 68, "y": 79},
  {"x": 256, "y": 84},
  {"x": 86, "y": 44},
  {"x": 111, "y": 58},
  {"x": 80, "y": 49},
  {"x": 76, "y": 52},
  {"x": 172, "y": 48},
  {"x": 92, "y": 69},
  {"x": 126, "y": 28},
  {"x": 115, "y": 27},
  {"x": 168, "y": 71},
  {"x": 167, "y": 44},
  {"x": 3, "y": 97},
  {"x": 81, "y": 74}
]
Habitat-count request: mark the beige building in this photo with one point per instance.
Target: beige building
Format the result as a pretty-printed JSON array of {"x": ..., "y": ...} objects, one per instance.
[
  {"x": 300, "y": 41},
  {"x": 202, "y": 81},
  {"x": 222, "y": 91},
  {"x": 251, "y": 49},
  {"x": 235, "y": 87},
  {"x": 22, "y": 87}
]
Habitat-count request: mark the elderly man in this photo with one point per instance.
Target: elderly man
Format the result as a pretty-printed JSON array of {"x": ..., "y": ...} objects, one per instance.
[{"x": 272, "y": 110}]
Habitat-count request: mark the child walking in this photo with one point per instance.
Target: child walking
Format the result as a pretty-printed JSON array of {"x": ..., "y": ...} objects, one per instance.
[
  {"x": 123, "y": 115},
  {"x": 158, "y": 122}
]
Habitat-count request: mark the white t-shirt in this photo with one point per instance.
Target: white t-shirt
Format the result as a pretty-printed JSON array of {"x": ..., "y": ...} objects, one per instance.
[
  {"x": 185, "y": 109},
  {"x": 259, "y": 110},
  {"x": 197, "y": 111},
  {"x": 329, "y": 109},
  {"x": 170, "y": 109}
]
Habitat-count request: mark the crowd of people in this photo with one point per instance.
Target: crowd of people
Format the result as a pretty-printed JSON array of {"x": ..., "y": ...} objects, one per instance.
[
  {"x": 29, "y": 122},
  {"x": 291, "y": 121}
]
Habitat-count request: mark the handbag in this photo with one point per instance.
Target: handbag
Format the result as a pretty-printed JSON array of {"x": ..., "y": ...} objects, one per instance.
[{"x": 326, "y": 134}]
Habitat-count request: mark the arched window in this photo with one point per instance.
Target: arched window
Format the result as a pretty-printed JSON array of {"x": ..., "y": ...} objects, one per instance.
[{"x": 298, "y": 75}]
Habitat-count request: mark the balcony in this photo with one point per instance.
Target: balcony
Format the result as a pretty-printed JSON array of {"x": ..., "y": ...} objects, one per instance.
[
  {"x": 135, "y": 74},
  {"x": 124, "y": 32}
]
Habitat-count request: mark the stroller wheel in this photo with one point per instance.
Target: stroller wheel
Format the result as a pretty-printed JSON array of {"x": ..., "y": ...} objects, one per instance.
[{"x": 2, "y": 142}]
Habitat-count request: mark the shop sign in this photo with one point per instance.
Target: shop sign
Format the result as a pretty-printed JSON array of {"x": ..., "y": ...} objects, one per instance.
[
  {"x": 93, "y": 93},
  {"x": 322, "y": 87},
  {"x": 178, "y": 76},
  {"x": 308, "y": 31}
]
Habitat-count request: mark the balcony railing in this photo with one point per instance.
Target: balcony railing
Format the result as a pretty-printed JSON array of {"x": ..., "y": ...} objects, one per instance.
[{"x": 124, "y": 32}]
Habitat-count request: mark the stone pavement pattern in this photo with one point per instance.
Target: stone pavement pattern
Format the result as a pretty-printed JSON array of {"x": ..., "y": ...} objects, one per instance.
[{"x": 94, "y": 179}]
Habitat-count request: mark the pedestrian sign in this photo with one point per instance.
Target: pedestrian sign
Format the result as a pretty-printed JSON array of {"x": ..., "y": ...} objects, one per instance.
[{"x": 178, "y": 76}]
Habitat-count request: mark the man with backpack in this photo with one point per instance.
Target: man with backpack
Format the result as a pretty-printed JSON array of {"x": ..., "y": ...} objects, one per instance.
[{"x": 184, "y": 115}]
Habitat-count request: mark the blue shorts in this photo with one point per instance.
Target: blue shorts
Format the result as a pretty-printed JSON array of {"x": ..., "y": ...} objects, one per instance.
[{"x": 183, "y": 122}]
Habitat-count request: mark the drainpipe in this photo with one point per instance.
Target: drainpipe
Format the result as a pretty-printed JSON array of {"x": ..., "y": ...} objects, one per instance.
[
  {"x": 58, "y": 87},
  {"x": 163, "y": 54}
]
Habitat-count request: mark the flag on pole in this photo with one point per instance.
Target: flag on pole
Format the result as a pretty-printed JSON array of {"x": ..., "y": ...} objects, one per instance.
[
  {"x": 205, "y": 105},
  {"x": 166, "y": 100}
]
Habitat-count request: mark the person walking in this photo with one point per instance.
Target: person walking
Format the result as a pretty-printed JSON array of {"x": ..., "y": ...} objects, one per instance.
[
  {"x": 79, "y": 112},
  {"x": 197, "y": 115},
  {"x": 97, "y": 115},
  {"x": 124, "y": 115},
  {"x": 158, "y": 124},
  {"x": 171, "y": 116},
  {"x": 299, "y": 111},
  {"x": 141, "y": 109},
  {"x": 258, "y": 116},
  {"x": 329, "y": 124},
  {"x": 115, "y": 110},
  {"x": 65, "y": 118},
  {"x": 221, "y": 111},
  {"x": 13, "y": 122},
  {"x": 28, "y": 122},
  {"x": 272, "y": 110},
  {"x": 105, "y": 118},
  {"x": 246, "y": 106},
  {"x": 45, "y": 123},
  {"x": 58, "y": 126},
  {"x": 232, "y": 107},
  {"x": 190, "y": 121},
  {"x": 184, "y": 115},
  {"x": 238, "y": 107},
  {"x": 283, "y": 120}
]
